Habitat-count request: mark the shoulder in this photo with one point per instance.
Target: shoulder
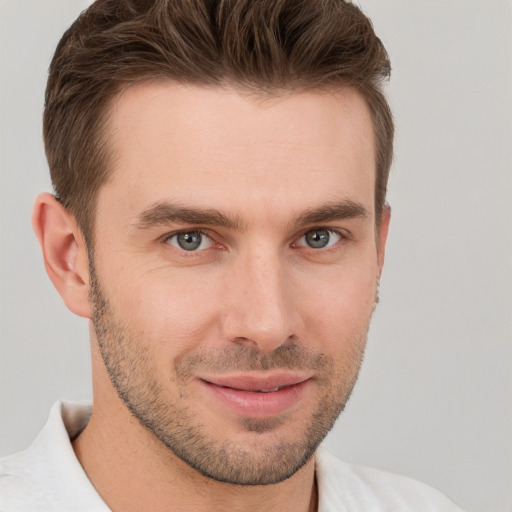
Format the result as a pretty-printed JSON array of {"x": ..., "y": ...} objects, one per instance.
[
  {"x": 47, "y": 475},
  {"x": 347, "y": 487},
  {"x": 19, "y": 483}
]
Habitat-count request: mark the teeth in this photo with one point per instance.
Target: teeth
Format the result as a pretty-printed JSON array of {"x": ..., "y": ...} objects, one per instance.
[{"x": 269, "y": 390}]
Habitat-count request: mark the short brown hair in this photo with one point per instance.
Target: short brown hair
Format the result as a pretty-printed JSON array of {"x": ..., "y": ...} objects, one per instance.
[{"x": 266, "y": 46}]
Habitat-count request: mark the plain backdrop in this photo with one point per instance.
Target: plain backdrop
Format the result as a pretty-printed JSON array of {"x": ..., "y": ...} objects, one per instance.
[{"x": 434, "y": 399}]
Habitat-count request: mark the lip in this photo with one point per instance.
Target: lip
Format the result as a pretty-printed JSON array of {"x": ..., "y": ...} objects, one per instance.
[{"x": 256, "y": 396}]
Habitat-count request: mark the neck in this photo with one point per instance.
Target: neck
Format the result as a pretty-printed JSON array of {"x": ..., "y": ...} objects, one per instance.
[{"x": 133, "y": 471}]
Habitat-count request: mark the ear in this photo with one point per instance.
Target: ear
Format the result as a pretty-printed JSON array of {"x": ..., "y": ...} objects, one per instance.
[
  {"x": 64, "y": 252},
  {"x": 383, "y": 236}
]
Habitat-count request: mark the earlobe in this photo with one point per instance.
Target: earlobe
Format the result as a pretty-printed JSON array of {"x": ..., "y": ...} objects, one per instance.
[{"x": 64, "y": 252}]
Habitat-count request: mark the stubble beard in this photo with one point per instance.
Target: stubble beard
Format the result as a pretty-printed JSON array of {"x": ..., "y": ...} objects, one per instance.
[{"x": 131, "y": 366}]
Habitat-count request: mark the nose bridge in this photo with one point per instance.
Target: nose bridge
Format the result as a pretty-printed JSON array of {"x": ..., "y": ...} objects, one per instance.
[{"x": 260, "y": 310}]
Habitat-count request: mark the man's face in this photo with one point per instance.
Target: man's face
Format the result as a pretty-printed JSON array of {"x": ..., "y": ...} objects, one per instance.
[{"x": 235, "y": 269}]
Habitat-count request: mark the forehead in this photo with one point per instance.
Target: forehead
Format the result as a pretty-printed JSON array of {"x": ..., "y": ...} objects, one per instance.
[{"x": 220, "y": 148}]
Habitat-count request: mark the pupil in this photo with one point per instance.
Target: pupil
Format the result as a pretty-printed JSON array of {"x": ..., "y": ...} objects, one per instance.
[
  {"x": 317, "y": 239},
  {"x": 189, "y": 241}
]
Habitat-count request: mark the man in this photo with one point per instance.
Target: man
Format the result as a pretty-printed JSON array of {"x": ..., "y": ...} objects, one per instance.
[{"x": 220, "y": 171}]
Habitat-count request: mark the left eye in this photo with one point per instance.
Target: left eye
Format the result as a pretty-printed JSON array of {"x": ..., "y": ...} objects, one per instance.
[
  {"x": 190, "y": 240},
  {"x": 319, "y": 238}
]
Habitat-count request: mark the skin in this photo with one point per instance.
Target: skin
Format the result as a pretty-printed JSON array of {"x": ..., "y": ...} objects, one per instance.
[{"x": 163, "y": 320}]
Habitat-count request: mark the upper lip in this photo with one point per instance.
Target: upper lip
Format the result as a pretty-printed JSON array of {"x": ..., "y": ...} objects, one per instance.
[{"x": 248, "y": 382}]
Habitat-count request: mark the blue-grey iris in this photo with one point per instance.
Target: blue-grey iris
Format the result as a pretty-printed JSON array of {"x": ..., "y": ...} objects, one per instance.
[
  {"x": 190, "y": 240},
  {"x": 318, "y": 238}
]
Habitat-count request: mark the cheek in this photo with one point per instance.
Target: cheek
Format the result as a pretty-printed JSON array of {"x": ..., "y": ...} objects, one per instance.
[
  {"x": 172, "y": 311},
  {"x": 340, "y": 305}
]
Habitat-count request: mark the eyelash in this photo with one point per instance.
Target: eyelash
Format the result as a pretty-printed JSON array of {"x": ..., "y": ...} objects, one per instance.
[
  {"x": 195, "y": 253},
  {"x": 199, "y": 231},
  {"x": 331, "y": 231}
]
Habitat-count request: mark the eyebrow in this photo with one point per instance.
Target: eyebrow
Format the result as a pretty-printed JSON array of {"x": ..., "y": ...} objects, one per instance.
[
  {"x": 168, "y": 213},
  {"x": 333, "y": 211}
]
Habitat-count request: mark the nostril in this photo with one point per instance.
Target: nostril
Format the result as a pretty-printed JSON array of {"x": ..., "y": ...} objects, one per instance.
[{"x": 245, "y": 342}]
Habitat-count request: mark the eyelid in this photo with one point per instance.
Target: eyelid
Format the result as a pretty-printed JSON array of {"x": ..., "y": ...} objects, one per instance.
[
  {"x": 342, "y": 234},
  {"x": 168, "y": 236},
  {"x": 184, "y": 230}
]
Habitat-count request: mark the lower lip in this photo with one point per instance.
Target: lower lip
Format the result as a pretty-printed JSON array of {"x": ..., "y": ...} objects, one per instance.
[{"x": 258, "y": 405}]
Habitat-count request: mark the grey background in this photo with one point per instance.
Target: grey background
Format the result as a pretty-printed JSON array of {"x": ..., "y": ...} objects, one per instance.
[{"x": 434, "y": 400}]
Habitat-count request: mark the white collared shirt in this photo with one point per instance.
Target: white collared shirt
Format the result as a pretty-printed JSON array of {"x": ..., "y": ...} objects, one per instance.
[{"x": 47, "y": 477}]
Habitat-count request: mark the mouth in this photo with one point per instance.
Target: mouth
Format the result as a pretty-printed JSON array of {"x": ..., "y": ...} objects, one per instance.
[
  {"x": 266, "y": 390},
  {"x": 257, "y": 397}
]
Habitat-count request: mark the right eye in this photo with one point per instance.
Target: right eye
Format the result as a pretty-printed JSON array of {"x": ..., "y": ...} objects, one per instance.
[{"x": 190, "y": 241}]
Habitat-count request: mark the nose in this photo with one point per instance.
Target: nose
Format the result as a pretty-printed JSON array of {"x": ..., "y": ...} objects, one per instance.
[{"x": 260, "y": 310}]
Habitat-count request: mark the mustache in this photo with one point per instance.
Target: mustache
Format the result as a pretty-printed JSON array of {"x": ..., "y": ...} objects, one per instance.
[{"x": 290, "y": 356}]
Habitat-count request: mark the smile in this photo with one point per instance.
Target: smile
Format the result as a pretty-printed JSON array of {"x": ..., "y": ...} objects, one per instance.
[{"x": 257, "y": 397}]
